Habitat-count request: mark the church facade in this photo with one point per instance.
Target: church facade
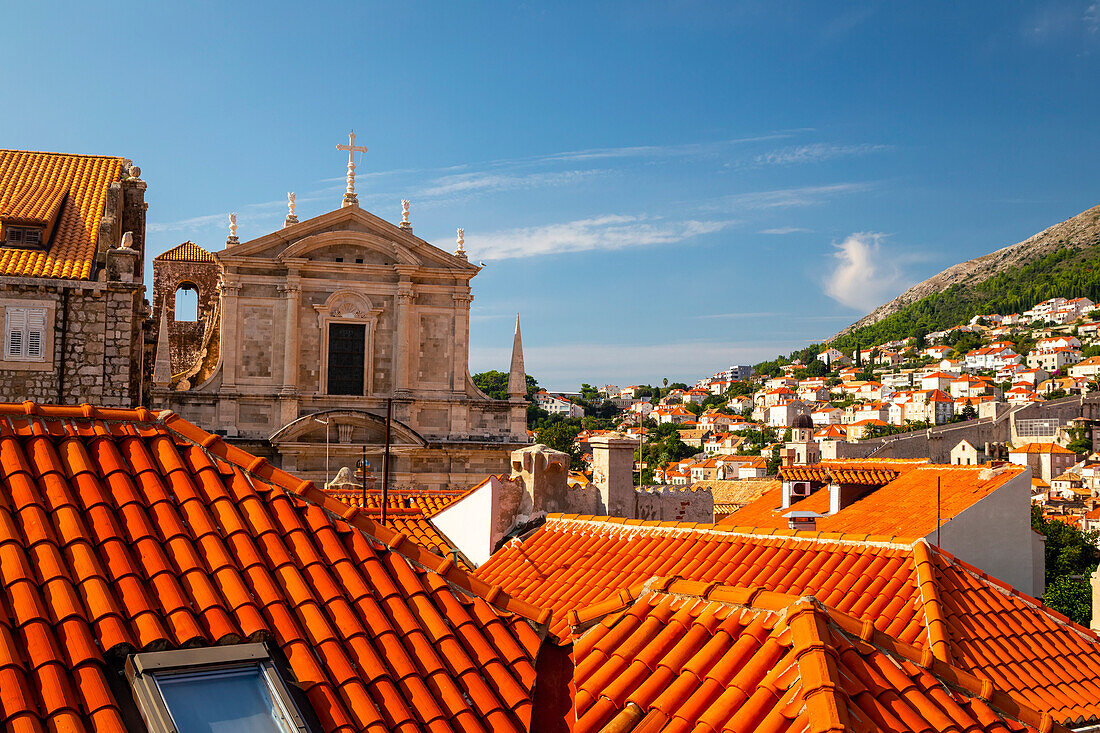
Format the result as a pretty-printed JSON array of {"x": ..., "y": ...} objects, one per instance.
[{"x": 306, "y": 336}]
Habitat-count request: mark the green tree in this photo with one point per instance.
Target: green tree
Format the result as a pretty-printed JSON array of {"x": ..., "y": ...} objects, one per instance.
[
  {"x": 1080, "y": 440},
  {"x": 1071, "y": 557},
  {"x": 1072, "y": 596},
  {"x": 774, "y": 461},
  {"x": 561, "y": 436},
  {"x": 817, "y": 368},
  {"x": 493, "y": 383}
]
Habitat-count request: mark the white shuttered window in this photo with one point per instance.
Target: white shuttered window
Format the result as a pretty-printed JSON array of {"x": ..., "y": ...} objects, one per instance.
[{"x": 24, "y": 333}]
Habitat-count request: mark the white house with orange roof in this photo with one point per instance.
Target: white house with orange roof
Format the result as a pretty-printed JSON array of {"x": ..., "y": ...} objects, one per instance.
[
  {"x": 671, "y": 414},
  {"x": 778, "y": 396},
  {"x": 558, "y": 405},
  {"x": 1046, "y": 460},
  {"x": 937, "y": 352},
  {"x": 1058, "y": 342},
  {"x": 937, "y": 380},
  {"x": 1054, "y": 359},
  {"x": 813, "y": 392},
  {"x": 1089, "y": 329},
  {"x": 1088, "y": 369},
  {"x": 1021, "y": 395},
  {"x": 827, "y": 415}
]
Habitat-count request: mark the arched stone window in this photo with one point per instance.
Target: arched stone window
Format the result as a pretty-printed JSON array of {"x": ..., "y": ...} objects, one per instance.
[{"x": 187, "y": 302}]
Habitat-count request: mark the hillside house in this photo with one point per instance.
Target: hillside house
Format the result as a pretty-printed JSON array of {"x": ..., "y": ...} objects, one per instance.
[{"x": 1046, "y": 460}]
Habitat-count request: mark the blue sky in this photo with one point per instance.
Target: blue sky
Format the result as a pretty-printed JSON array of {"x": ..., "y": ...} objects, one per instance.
[{"x": 659, "y": 189}]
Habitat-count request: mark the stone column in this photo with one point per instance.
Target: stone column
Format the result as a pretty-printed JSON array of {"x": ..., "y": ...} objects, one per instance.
[{"x": 402, "y": 346}]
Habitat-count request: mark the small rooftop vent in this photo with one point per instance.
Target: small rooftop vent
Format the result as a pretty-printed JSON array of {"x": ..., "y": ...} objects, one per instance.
[{"x": 802, "y": 520}]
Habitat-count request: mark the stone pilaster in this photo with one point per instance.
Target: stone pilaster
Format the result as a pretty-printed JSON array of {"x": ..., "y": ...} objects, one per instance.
[
  {"x": 461, "y": 341},
  {"x": 230, "y": 289},
  {"x": 402, "y": 344},
  {"x": 292, "y": 293}
]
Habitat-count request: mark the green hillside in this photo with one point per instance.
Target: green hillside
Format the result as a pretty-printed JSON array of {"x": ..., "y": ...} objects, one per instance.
[{"x": 1066, "y": 272}]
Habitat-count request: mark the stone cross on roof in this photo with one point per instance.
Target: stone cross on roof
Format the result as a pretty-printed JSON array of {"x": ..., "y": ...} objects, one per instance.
[{"x": 350, "y": 199}]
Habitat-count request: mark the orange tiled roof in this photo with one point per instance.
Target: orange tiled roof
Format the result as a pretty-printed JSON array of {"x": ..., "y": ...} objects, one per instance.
[
  {"x": 121, "y": 530},
  {"x": 914, "y": 593},
  {"x": 676, "y": 654},
  {"x": 904, "y": 508},
  {"x": 65, "y": 193},
  {"x": 409, "y": 512},
  {"x": 1041, "y": 448},
  {"x": 186, "y": 252}
]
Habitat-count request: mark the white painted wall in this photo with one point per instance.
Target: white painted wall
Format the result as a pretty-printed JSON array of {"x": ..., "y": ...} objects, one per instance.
[
  {"x": 468, "y": 523},
  {"x": 995, "y": 535}
]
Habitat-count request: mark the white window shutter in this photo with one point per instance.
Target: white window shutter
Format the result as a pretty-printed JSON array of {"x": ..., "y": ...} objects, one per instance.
[
  {"x": 16, "y": 325},
  {"x": 36, "y": 332}
]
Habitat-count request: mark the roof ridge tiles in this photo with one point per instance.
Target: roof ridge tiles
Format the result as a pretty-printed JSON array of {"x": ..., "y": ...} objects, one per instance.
[
  {"x": 582, "y": 521},
  {"x": 930, "y": 601},
  {"x": 980, "y": 687},
  {"x": 1007, "y": 590}
]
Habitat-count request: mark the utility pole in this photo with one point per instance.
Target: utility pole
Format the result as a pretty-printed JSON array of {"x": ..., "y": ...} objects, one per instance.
[
  {"x": 386, "y": 459},
  {"x": 363, "y": 479}
]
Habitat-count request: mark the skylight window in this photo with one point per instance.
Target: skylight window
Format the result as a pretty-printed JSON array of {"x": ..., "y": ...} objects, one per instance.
[{"x": 213, "y": 690}]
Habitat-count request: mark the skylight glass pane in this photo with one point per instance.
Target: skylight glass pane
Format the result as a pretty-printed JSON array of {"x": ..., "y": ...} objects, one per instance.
[{"x": 223, "y": 700}]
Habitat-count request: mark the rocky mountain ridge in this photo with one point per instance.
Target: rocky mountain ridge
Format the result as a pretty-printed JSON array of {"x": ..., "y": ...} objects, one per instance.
[{"x": 1078, "y": 232}]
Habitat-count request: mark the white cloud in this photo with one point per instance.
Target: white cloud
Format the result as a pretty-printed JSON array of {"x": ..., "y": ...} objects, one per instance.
[
  {"x": 865, "y": 275},
  {"x": 816, "y": 153},
  {"x": 481, "y": 182},
  {"x": 785, "y": 230},
  {"x": 782, "y": 197},
  {"x": 612, "y": 231}
]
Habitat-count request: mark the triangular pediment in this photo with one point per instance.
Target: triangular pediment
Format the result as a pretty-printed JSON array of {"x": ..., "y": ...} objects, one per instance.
[{"x": 386, "y": 243}]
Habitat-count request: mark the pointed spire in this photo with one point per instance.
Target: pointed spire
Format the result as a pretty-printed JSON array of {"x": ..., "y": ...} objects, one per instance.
[
  {"x": 162, "y": 365},
  {"x": 517, "y": 376}
]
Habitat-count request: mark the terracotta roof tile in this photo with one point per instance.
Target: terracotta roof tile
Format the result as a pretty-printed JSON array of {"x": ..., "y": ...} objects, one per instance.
[
  {"x": 904, "y": 508},
  {"x": 702, "y": 656},
  {"x": 408, "y": 512},
  {"x": 67, "y": 194},
  {"x": 917, "y": 595},
  {"x": 121, "y": 530},
  {"x": 186, "y": 252}
]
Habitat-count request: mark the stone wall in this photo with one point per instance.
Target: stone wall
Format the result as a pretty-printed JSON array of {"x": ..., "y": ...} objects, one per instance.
[
  {"x": 96, "y": 352},
  {"x": 670, "y": 504},
  {"x": 184, "y": 337}
]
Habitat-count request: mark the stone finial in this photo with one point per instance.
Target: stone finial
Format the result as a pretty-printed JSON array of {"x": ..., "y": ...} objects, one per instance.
[
  {"x": 127, "y": 241},
  {"x": 460, "y": 243},
  {"x": 291, "y": 205},
  {"x": 350, "y": 199},
  {"x": 232, "y": 238},
  {"x": 405, "y": 214}
]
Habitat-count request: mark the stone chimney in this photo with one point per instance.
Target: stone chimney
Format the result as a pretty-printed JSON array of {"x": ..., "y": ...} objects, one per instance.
[
  {"x": 613, "y": 473},
  {"x": 544, "y": 473}
]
